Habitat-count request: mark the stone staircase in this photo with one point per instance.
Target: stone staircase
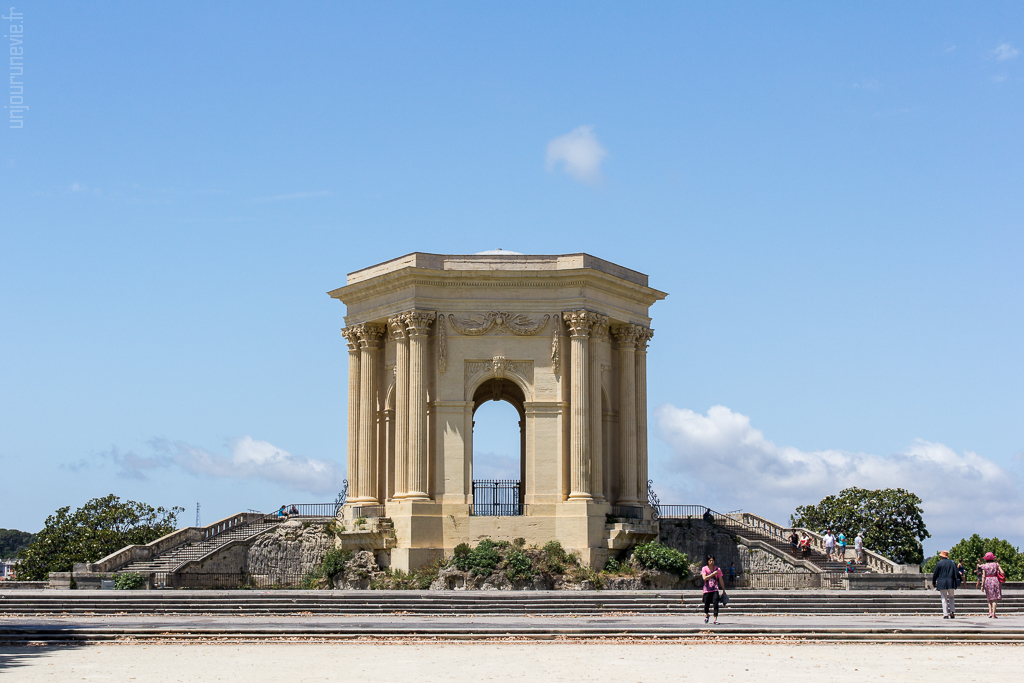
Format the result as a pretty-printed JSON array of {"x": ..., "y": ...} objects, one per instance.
[
  {"x": 754, "y": 528},
  {"x": 451, "y": 603},
  {"x": 170, "y": 560}
]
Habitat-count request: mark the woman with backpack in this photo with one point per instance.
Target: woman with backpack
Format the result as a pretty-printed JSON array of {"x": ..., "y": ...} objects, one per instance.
[{"x": 991, "y": 576}]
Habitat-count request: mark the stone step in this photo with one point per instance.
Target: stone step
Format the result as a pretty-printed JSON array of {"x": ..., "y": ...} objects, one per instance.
[{"x": 476, "y": 602}]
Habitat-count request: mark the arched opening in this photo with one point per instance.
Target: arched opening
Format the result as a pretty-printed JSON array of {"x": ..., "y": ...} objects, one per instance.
[{"x": 499, "y": 448}]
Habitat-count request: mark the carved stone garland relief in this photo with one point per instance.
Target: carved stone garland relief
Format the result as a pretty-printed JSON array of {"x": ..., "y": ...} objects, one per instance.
[{"x": 481, "y": 323}]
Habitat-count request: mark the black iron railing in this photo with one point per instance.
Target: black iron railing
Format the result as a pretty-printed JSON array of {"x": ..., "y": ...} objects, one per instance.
[
  {"x": 368, "y": 511},
  {"x": 497, "y": 498},
  {"x": 627, "y": 512},
  {"x": 306, "y": 510},
  {"x": 684, "y": 511}
]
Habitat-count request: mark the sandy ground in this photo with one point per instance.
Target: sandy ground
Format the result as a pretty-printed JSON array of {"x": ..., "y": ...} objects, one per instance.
[{"x": 471, "y": 662}]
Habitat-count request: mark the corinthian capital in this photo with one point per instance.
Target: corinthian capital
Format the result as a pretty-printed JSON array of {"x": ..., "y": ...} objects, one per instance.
[
  {"x": 370, "y": 334},
  {"x": 351, "y": 337},
  {"x": 417, "y": 323},
  {"x": 396, "y": 325},
  {"x": 627, "y": 335},
  {"x": 645, "y": 336},
  {"x": 580, "y": 322}
]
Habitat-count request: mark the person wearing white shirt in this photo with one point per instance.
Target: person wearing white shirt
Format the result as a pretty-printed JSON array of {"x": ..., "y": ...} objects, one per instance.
[{"x": 830, "y": 544}]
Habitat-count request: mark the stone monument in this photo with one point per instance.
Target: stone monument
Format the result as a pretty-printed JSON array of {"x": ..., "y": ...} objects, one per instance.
[{"x": 561, "y": 338}]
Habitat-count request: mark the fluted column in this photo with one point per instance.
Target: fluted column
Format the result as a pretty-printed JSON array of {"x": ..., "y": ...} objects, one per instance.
[
  {"x": 626, "y": 336},
  {"x": 641, "y": 412},
  {"x": 599, "y": 335},
  {"x": 398, "y": 333},
  {"x": 579, "y": 324},
  {"x": 418, "y": 329},
  {"x": 369, "y": 341},
  {"x": 352, "y": 471}
]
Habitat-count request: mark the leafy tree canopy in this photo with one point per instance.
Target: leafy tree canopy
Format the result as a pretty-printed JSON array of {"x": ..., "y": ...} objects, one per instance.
[
  {"x": 12, "y": 540},
  {"x": 93, "y": 531},
  {"x": 890, "y": 519},
  {"x": 971, "y": 550}
]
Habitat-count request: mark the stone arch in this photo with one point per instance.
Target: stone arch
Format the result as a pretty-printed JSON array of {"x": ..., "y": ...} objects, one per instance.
[{"x": 509, "y": 390}]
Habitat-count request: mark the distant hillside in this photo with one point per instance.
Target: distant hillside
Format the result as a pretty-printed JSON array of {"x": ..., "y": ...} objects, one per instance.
[{"x": 12, "y": 540}]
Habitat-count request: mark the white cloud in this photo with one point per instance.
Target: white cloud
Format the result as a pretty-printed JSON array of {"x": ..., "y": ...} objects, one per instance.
[
  {"x": 998, "y": 79},
  {"x": 249, "y": 459},
  {"x": 1005, "y": 51},
  {"x": 720, "y": 457},
  {"x": 579, "y": 154}
]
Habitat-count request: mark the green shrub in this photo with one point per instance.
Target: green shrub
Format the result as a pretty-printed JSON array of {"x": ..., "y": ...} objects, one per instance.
[
  {"x": 334, "y": 562},
  {"x": 518, "y": 566},
  {"x": 654, "y": 555},
  {"x": 519, "y": 543},
  {"x": 461, "y": 550},
  {"x": 129, "y": 581},
  {"x": 481, "y": 560}
]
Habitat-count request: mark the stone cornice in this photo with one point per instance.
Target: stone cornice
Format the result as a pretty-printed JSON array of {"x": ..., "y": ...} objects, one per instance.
[{"x": 571, "y": 279}]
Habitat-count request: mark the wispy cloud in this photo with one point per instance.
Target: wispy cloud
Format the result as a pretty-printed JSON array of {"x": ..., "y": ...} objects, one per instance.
[
  {"x": 867, "y": 84},
  {"x": 578, "y": 153},
  {"x": 295, "y": 195},
  {"x": 1005, "y": 51},
  {"x": 950, "y": 48},
  {"x": 998, "y": 78},
  {"x": 249, "y": 458},
  {"x": 720, "y": 456},
  {"x": 79, "y": 188}
]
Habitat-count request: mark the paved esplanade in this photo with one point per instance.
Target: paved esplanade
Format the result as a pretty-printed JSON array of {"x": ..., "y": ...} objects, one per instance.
[{"x": 556, "y": 661}]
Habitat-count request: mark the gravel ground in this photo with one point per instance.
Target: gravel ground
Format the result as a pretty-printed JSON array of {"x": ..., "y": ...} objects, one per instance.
[{"x": 425, "y": 661}]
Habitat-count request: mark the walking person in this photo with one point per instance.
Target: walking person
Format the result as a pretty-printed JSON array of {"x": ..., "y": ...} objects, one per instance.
[
  {"x": 841, "y": 546},
  {"x": 712, "y": 576},
  {"x": 794, "y": 539},
  {"x": 830, "y": 544},
  {"x": 991, "y": 576},
  {"x": 858, "y": 545},
  {"x": 946, "y": 580}
]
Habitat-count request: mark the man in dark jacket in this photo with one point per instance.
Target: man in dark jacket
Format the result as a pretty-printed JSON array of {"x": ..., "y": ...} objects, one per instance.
[{"x": 946, "y": 579}]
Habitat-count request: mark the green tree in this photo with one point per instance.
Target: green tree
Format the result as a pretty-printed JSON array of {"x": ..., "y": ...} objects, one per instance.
[
  {"x": 890, "y": 519},
  {"x": 12, "y": 541},
  {"x": 971, "y": 550},
  {"x": 93, "y": 531}
]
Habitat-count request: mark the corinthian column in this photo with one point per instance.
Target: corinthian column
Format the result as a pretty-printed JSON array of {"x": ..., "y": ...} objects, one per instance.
[
  {"x": 397, "y": 327},
  {"x": 579, "y": 324},
  {"x": 641, "y": 412},
  {"x": 352, "y": 470},
  {"x": 626, "y": 336},
  {"x": 369, "y": 341},
  {"x": 417, "y": 325},
  {"x": 598, "y": 336}
]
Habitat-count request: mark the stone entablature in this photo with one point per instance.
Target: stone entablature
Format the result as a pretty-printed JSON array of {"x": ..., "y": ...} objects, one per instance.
[{"x": 562, "y": 338}]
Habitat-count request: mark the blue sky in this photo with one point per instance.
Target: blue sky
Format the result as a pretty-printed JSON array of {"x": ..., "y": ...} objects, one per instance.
[{"x": 831, "y": 195}]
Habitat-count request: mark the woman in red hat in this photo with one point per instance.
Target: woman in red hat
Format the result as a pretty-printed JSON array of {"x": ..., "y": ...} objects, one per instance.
[{"x": 990, "y": 574}]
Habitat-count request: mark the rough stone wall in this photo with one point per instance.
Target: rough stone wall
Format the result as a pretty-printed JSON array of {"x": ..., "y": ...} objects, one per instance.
[
  {"x": 698, "y": 540},
  {"x": 292, "y": 548},
  {"x": 757, "y": 561}
]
